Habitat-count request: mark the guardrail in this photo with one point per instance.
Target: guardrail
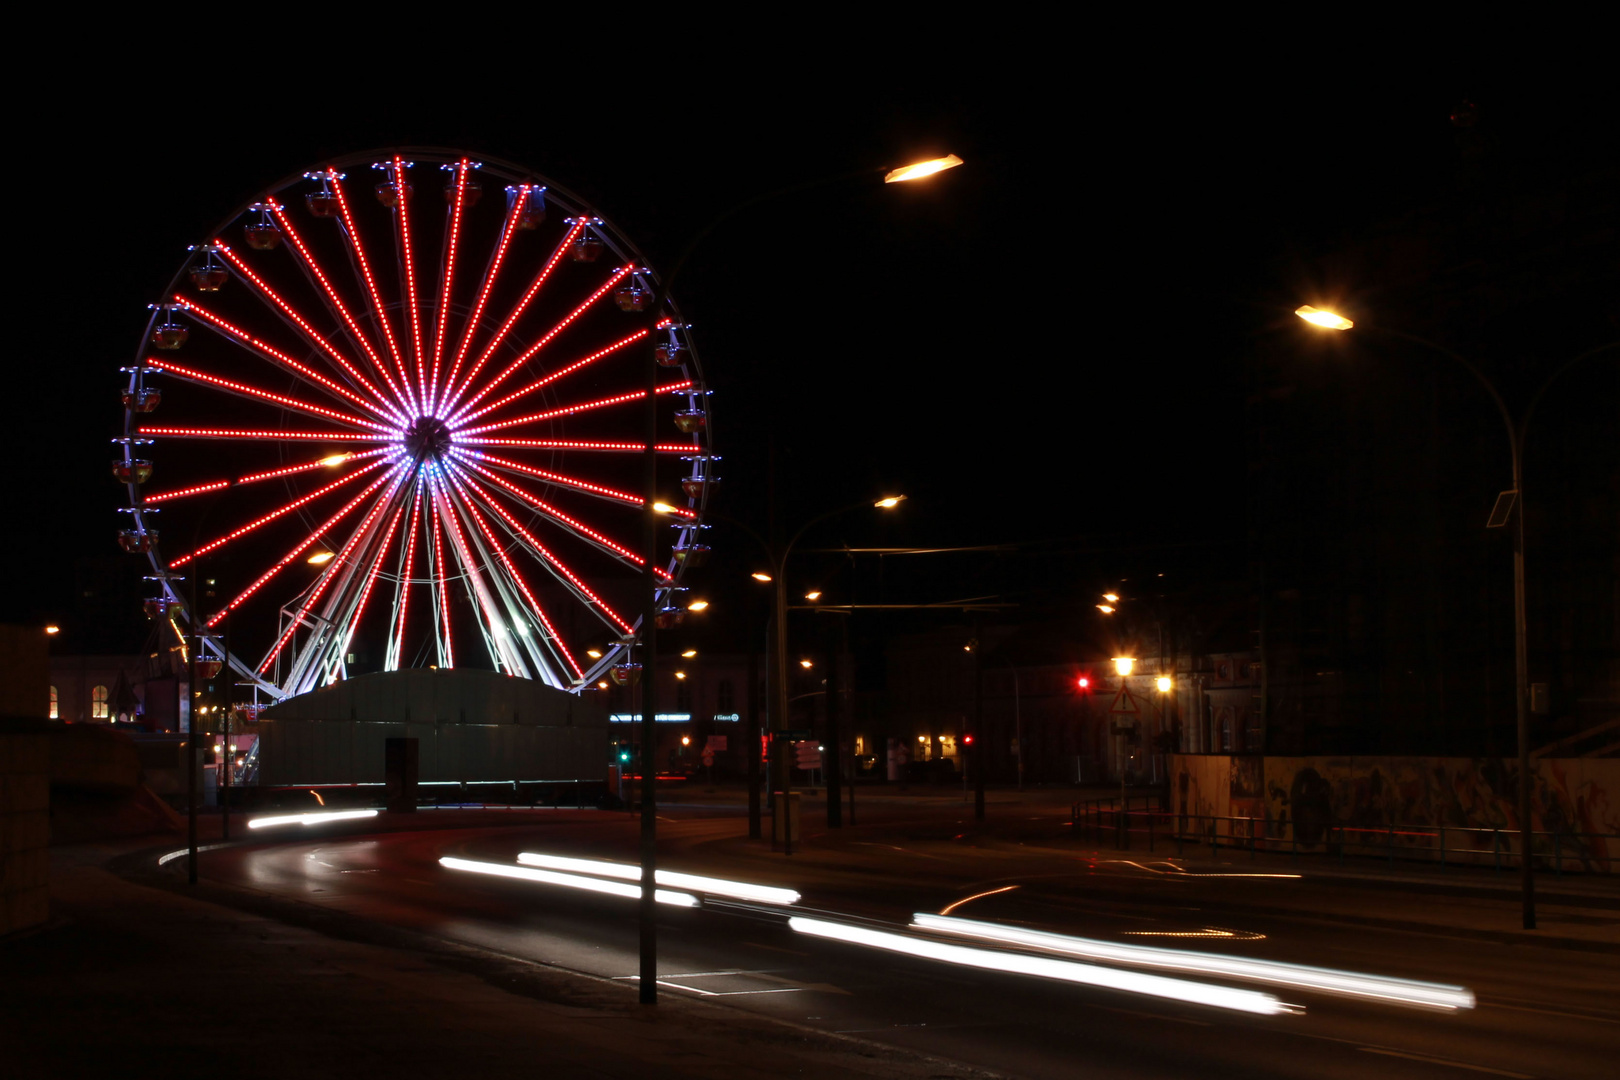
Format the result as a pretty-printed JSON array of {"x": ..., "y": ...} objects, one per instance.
[{"x": 1441, "y": 845}]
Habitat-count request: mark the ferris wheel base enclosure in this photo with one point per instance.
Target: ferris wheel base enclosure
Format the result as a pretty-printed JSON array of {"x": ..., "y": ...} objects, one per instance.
[{"x": 469, "y": 725}]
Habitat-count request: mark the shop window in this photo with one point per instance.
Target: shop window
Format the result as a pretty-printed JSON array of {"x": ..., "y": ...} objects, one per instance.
[
  {"x": 55, "y": 709},
  {"x": 98, "y": 703}
]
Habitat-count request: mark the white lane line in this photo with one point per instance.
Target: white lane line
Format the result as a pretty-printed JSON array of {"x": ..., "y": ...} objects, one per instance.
[{"x": 1430, "y": 1060}]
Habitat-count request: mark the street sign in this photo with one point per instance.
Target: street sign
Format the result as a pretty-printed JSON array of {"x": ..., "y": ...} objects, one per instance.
[
  {"x": 807, "y": 754},
  {"x": 714, "y": 742},
  {"x": 1124, "y": 704},
  {"x": 708, "y": 757}
]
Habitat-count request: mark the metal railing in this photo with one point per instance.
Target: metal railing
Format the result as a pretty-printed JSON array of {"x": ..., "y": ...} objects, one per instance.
[{"x": 1439, "y": 845}]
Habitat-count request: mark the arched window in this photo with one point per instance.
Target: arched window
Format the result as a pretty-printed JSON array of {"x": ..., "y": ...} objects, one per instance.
[
  {"x": 55, "y": 710},
  {"x": 98, "y": 703},
  {"x": 723, "y": 697}
]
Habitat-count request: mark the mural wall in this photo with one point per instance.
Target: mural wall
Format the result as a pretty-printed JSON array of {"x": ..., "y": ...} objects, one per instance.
[{"x": 1317, "y": 803}]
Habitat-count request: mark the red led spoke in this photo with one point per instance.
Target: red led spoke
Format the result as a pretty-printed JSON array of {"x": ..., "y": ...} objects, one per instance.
[
  {"x": 275, "y": 514},
  {"x": 315, "y": 337},
  {"x": 402, "y": 209},
  {"x": 458, "y": 541},
  {"x": 566, "y": 481},
  {"x": 569, "y": 410},
  {"x": 302, "y": 547},
  {"x": 200, "y": 489},
  {"x": 405, "y": 577},
  {"x": 551, "y": 511},
  {"x": 555, "y": 375},
  {"x": 252, "y": 478},
  {"x": 329, "y": 575},
  {"x": 451, "y": 244},
  {"x": 342, "y": 309},
  {"x": 359, "y": 250},
  {"x": 380, "y": 407},
  {"x": 158, "y": 363},
  {"x": 252, "y": 433},
  {"x": 546, "y": 554},
  {"x": 511, "y": 320},
  {"x": 371, "y": 578},
  {"x": 513, "y": 213},
  {"x": 529, "y": 353},
  {"x": 576, "y": 444},
  {"x": 523, "y": 586},
  {"x": 441, "y": 580}
]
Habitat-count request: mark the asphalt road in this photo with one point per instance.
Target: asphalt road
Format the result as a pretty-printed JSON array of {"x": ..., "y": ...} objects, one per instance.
[{"x": 1541, "y": 1011}]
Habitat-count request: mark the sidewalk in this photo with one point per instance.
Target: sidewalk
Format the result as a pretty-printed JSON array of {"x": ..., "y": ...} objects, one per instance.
[{"x": 162, "y": 981}]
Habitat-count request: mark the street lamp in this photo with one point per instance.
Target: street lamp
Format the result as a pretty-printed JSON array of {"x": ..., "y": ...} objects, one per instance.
[
  {"x": 1509, "y": 504},
  {"x": 648, "y": 911},
  {"x": 1123, "y": 665}
]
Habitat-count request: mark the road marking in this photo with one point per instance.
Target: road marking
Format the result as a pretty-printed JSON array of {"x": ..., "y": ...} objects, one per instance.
[
  {"x": 1555, "y": 1012},
  {"x": 1443, "y": 1061},
  {"x": 774, "y": 948},
  {"x": 1154, "y": 1016}
]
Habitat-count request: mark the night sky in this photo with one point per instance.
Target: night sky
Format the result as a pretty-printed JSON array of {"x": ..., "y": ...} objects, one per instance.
[{"x": 1043, "y": 346}]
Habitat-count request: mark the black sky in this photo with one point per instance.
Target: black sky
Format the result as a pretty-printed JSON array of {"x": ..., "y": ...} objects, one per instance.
[{"x": 1045, "y": 343}]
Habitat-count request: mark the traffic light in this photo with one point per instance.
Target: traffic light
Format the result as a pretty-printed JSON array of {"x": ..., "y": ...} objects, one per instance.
[
  {"x": 967, "y": 739},
  {"x": 624, "y": 753},
  {"x": 1084, "y": 684}
]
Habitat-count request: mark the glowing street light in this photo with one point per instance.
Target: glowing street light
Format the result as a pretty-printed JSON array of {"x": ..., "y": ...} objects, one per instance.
[
  {"x": 1328, "y": 320},
  {"x": 813, "y": 595},
  {"x": 698, "y": 605},
  {"x": 594, "y": 654},
  {"x": 918, "y": 170},
  {"x": 1124, "y": 664},
  {"x": 761, "y": 576},
  {"x": 889, "y": 502},
  {"x": 663, "y": 508},
  {"x": 1163, "y": 683},
  {"x": 321, "y": 558},
  {"x": 1112, "y": 598},
  {"x": 53, "y": 629},
  {"x": 806, "y": 664},
  {"x": 1106, "y": 609},
  {"x": 334, "y": 461},
  {"x": 688, "y": 654}
]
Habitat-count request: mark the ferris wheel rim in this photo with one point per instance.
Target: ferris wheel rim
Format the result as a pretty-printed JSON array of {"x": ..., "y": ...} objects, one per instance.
[{"x": 615, "y": 240}]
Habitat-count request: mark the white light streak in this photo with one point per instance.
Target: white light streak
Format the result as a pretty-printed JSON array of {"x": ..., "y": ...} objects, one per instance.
[
  {"x": 1323, "y": 980},
  {"x": 571, "y": 881},
  {"x": 739, "y": 890},
  {"x": 1224, "y": 997},
  {"x": 310, "y": 819}
]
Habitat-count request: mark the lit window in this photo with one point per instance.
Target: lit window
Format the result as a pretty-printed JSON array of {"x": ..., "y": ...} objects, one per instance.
[
  {"x": 98, "y": 703},
  {"x": 55, "y": 713}
]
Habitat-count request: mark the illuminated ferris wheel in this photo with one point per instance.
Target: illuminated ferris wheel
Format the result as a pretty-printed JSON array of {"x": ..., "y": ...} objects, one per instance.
[{"x": 392, "y": 415}]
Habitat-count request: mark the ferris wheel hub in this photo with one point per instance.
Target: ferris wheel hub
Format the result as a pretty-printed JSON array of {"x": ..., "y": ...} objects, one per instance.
[{"x": 428, "y": 438}]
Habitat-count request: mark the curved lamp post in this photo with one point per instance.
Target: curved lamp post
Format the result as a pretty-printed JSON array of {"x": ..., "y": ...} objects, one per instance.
[
  {"x": 1509, "y": 504},
  {"x": 648, "y": 971}
]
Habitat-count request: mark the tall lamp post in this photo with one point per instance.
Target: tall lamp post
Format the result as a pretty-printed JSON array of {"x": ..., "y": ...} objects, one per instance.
[
  {"x": 648, "y": 915},
  {"x": 1509, "y": 504}
]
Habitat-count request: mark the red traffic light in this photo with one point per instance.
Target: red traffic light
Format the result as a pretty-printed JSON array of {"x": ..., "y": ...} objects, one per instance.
[
  {"x": 967, "y": 740},
  {"x": 1085, "y": 682}
]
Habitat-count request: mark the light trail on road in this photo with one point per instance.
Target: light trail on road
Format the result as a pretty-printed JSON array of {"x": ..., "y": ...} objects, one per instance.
[
  {"x": 1322, "y": 980},
  {"x": 1222, "y": 997}
]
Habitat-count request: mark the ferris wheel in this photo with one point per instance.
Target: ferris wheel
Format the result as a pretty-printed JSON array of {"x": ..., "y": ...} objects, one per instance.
[{"x": 390, "y": 414}]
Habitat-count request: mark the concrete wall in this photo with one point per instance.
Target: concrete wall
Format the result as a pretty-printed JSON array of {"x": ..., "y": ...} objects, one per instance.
[
  {"x": 25, "y": 799},
  {"x": 471, "y": 725},
  {"x": 1293, "y": 799}
]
